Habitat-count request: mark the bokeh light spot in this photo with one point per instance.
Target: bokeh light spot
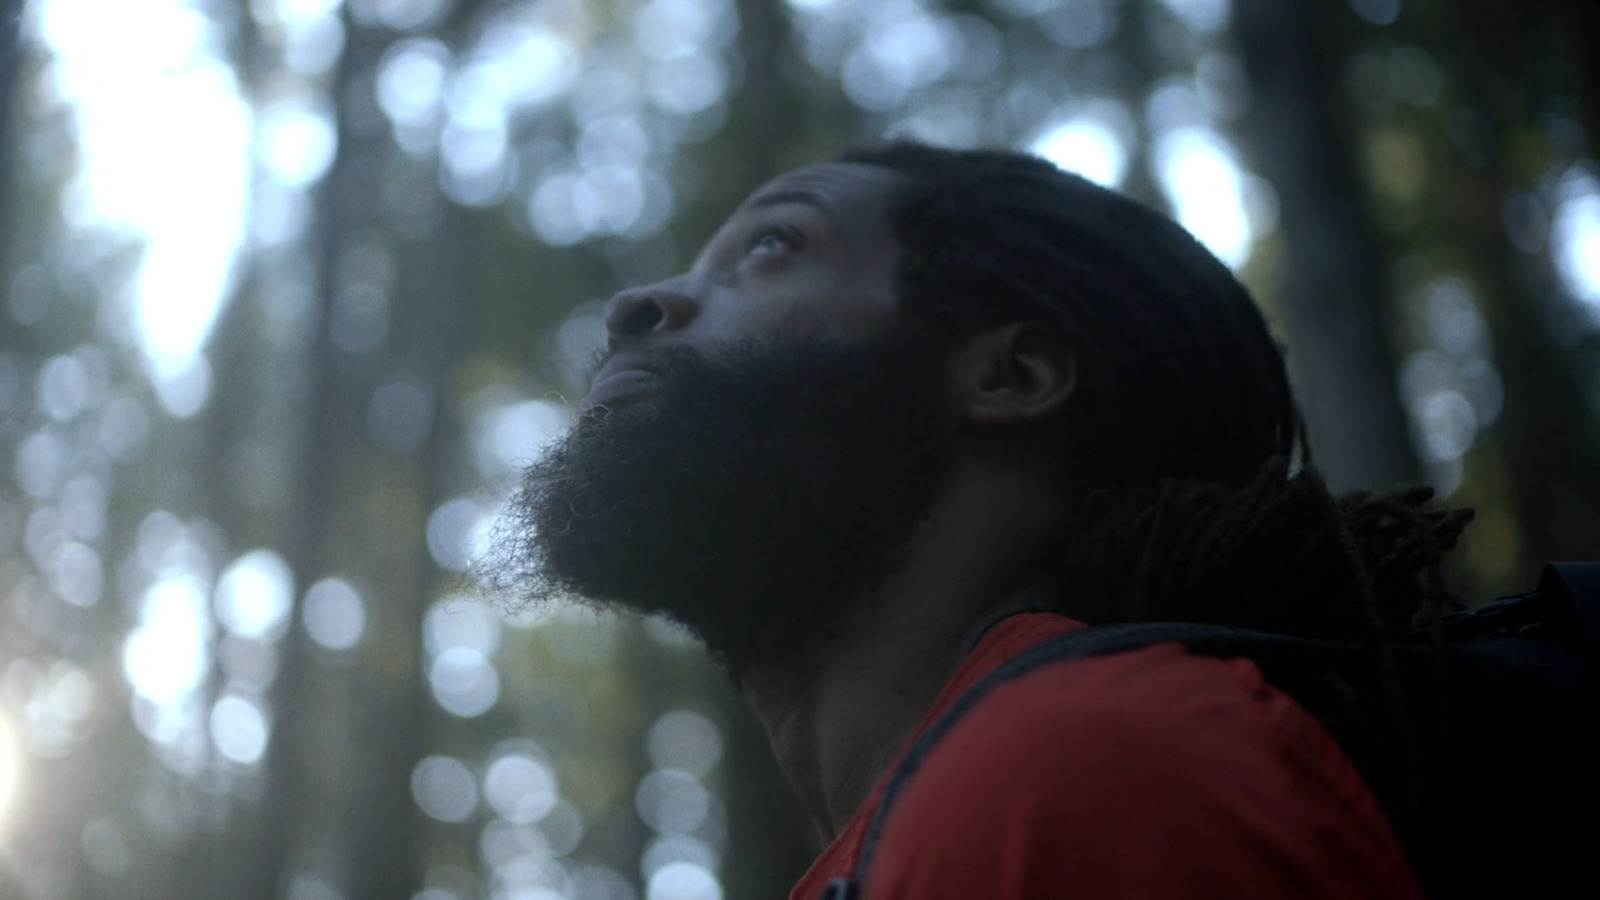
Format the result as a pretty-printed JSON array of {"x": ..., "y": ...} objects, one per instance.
[
  {"x": 296, "y": 139},
  {"x": 1205, "y": 186},
  {"x": 671, "y": 801},
  {"x": 444, "y": 789},
  {"x": 671, "y": 849},
  {"x": 1575, "y": 236},
  {"x": 39, "y": 463},
  {"x": 10, "y": 770},
  {"x": 464, "y": 682},
  {"x": 1448, "y": 424},
  {"x": 239, "y": 729},
  {"x": 400, "y": 415},
  {"x": 254, "y": 595},
  {"x": 334, "y": 616},
  {"x": 1078, "y": 25},
  {"x": 687, "y": 84},
  {"x": 1085, "y": 147},
  {"x": 166, "y": 655},
  {"x": 456, "y": 533},
  {"x": 59, "y": 705},
  {"x": 64, "y": 388},
  {"x": 404, "y": 15},
  {"x": 686, "y": 740},
  {"x": 683, "y": 881},
  {"x": 1378, "y": 12},
  {"x": 76, "y": 574},
  {"x": 460, "y": 621},
  {"x": 520, "y": 788},
  {"x": 507, "y": 846},
  {"x": 183, "y": 384},
  {"x": 506, "y": 437},
  {"x": 1204, "y": 16},
  {"x": 411, "y": 81}
]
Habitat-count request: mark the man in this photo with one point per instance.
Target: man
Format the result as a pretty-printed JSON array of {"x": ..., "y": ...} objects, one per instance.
[{"x": 914, "y": 411}]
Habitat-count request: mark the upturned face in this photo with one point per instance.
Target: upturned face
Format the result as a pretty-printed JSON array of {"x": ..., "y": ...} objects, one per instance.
[
  {"x": 764, "y": 432},
  {"x": 809, "y": 256}
]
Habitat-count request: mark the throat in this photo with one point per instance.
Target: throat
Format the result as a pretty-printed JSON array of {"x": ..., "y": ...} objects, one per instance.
[
  {"x": 841, "y": 717},
  {"x": 836, "y": 731}
]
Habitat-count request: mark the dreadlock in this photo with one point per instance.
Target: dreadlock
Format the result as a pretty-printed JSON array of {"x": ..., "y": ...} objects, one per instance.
[
  {"x": 1176, "y": 369},
  {"x": 1183, "y": 406},
  {"x": 1279, "y": 554}
]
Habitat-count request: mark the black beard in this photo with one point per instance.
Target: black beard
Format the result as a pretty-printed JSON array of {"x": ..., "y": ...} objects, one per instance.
[{"x": 749, "y": 497}]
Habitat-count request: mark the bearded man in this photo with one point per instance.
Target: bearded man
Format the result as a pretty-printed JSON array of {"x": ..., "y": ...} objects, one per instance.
[{"x": 914, "y": 411}]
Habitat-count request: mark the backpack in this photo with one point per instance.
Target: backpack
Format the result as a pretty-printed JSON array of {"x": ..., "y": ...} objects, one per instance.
[{"x": 1480, "y": 737}]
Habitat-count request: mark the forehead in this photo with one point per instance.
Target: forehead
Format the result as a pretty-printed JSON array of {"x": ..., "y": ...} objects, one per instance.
[{"x": 852, "y": 189}]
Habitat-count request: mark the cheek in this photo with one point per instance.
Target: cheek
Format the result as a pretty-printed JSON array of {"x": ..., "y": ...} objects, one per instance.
[
  {"x": 801, "y": 301},
  {"x": 745, "y": 317},
  {"x": 860, "y": 309},
  {"x": 848, "y": 304}
]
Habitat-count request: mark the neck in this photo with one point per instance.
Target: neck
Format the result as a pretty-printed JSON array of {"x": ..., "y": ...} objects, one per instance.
[{"x": 838, "y": 718}]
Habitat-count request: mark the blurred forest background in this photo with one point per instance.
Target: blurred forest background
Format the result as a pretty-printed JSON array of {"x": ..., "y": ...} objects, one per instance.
[{"x": 290, "y": 288}]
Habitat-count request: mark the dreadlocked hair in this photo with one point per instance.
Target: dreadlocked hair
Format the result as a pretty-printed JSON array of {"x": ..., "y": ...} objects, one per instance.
[
  {"x": 1182, "y": 415},
  {"x": 1279, "y": 554},
  {"x": 1177, "y": 374}
]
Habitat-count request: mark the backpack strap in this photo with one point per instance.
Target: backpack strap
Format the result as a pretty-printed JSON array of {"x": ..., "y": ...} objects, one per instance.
[
  {"x": 1572, "y": 591},
  {"x": 1565, "y": 607},
  {"x": 1210, "y": 640}
]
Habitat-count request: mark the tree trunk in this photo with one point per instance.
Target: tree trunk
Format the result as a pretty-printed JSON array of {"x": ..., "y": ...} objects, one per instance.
[
  {"x": 10, "y": 69},
  {"x": 1298, "y": 134},
  {"x": 338, "y": 784},
  {"x": 1549, "y": 427},
  {"x": 1579, "y": 23}
]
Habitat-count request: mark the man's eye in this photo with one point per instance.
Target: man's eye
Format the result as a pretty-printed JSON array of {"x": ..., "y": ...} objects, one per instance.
[{"x": 773, "y": 240}]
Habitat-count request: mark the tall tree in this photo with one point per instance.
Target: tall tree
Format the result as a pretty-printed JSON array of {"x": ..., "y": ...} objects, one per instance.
[
  {"x": 10, "y": 69},
  {"x": 345, "y": 741},
  {"x": 1550, "y": 428},
  {"x": 1299, "y": 134}
]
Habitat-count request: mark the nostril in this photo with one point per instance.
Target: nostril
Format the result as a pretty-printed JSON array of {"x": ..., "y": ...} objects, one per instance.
[
  {"x": 641, "y": 319},
  {"x": 637, "y": 312}
]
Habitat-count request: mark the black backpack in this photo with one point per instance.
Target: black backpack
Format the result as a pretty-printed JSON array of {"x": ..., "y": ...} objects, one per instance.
[{"x": 1480, "y": 737}]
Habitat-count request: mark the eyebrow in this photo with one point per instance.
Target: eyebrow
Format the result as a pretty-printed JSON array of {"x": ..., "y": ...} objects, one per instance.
[{"x": 802, "y": 197}]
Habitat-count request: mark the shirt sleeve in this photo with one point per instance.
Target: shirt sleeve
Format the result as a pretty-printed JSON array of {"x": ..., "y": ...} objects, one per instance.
[{"x": 1183, "y": 777}]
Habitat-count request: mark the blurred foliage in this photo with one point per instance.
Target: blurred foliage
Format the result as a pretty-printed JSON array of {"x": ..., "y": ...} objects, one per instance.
[{"x": 292, "y": 287}]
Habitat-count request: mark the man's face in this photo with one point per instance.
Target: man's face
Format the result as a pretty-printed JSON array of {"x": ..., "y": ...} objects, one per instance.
[
  {"x": 808, "y": 255},
  {"x": 762, "y": 436}
]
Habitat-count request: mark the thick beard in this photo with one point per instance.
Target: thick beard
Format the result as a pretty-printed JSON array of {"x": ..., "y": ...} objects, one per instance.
[{"x": 749, "y": 498}]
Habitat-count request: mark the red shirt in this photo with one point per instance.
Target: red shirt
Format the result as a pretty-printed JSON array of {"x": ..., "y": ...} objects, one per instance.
[{"x": 1152, "y": 773}]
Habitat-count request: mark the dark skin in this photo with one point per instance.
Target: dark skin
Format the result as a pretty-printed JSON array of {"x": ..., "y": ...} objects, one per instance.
[{"x": 812, "y": 253}]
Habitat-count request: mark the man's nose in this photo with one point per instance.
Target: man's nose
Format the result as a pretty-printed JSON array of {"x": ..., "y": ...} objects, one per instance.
[{"x": 660, "y": 307}]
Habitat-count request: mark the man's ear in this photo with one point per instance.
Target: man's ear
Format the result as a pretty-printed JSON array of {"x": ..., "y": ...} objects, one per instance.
[{"x": 1019, "y": 373}]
